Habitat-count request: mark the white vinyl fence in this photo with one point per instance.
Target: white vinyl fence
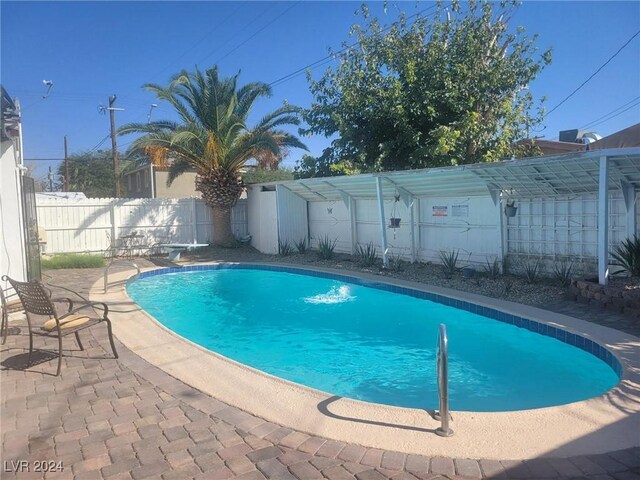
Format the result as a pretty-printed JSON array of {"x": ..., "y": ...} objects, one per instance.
[{"x": 94, "y": 225}]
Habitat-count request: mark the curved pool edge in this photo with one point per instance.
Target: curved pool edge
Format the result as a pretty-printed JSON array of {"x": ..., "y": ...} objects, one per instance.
[{"x": 598, "y": 425}]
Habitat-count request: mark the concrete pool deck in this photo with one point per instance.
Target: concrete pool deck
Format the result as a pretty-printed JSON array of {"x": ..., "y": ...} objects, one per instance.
[{"x": 601, "y": 424}]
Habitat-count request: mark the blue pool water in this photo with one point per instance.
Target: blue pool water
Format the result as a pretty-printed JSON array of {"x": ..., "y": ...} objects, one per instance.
[{"x": 369, "y": 344}]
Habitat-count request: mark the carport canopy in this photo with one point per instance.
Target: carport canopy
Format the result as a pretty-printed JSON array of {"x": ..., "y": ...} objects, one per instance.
[{"x": 555, "y": 175}]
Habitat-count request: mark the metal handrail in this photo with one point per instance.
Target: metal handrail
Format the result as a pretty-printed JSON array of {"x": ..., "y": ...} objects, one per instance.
[
  {"x": 116, "y": 263},
  {"x": 443, "y": 383}
]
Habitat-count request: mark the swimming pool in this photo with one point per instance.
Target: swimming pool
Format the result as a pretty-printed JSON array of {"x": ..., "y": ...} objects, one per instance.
[{"x": 343, "y": 337}]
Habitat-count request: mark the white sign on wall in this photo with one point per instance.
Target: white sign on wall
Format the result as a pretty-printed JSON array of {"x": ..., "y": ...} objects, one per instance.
[{"x": 460, "y": 211}]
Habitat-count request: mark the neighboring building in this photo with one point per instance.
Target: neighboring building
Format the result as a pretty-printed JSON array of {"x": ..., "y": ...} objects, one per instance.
[
  {"x": 629, "y": 137},
  {"x": 13, "y": 254},
  {"x": 150, "y": 181},
  {"x": 582, "y": 140}
]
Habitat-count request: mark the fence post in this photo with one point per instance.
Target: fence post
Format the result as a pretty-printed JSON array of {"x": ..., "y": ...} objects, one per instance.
[
  {"x": 114, "y": 228},
  {"x": 194, "y": 220}
]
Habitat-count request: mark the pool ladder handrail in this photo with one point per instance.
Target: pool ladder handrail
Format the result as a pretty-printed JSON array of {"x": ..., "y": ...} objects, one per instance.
[
  {"x": 443, "y": 383},
  {"x": 118, "y": 263}
]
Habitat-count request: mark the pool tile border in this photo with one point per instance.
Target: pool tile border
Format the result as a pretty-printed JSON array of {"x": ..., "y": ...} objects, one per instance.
[{"x": 560, "y": 334}]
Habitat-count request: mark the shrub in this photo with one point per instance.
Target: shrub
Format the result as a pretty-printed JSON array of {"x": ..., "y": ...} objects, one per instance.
[
  {"x": 507, "y": 283},
  {"x": 326, "y": 247},
  {"x": 366, "y": 255},
  {"x": 284, "y": 248},
  {"x": 449, "y": 261},
  {"x": 492, "y": 269},
  {"x": 72, "y": 260},
  {"x": 627, "y": 256},
  {"x": 260, "y": 175},
  {"x": 395, "y": 263},
  {"x": 531, "y": 271},
  {"x": 302, "y": 245},
  {"x": 562, "y": 273}
]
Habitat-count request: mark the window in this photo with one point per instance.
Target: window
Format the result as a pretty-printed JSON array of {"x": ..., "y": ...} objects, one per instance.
[
  {"x": 146, "y": 178},
  {"x": 129, "y": 186},
  {"x": 138, "y": 183}
]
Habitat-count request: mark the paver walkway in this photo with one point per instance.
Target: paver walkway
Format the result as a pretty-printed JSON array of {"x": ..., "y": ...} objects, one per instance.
[{"x": 125, "y": 419}]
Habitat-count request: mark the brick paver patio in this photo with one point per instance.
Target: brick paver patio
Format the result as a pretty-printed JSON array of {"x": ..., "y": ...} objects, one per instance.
[{"x": 126, "y": 419}]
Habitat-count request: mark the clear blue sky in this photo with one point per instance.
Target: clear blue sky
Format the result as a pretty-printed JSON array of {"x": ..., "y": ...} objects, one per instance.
[{"x": 91, "y": 50}]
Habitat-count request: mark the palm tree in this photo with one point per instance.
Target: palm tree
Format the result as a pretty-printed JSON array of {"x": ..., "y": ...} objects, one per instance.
[{"x": 213, "y": 137}]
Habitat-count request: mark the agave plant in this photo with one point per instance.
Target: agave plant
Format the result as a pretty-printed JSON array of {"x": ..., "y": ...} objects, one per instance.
[
  {"x": 213, "y": 137},
  {"x": 366, "y": 255},
  {"x": 449, "y": 261},
  {"x": 627, "y": 255}
]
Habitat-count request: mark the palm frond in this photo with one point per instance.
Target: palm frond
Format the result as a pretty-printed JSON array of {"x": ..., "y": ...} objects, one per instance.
[
  {"x": 177, "y": 168},
  {"x": 285, "y": 115},
  {"x": 212, "y": 134},
  {"x": 248, "y": 94}
]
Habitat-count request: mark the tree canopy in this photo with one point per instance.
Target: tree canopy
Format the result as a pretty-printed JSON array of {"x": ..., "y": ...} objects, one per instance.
[
  {"x": 447, "y": 89},
  {"x": 92, "y": 172}
]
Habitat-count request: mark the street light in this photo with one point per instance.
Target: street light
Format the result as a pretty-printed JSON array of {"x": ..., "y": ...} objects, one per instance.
[{"x": 153, "y": 105}]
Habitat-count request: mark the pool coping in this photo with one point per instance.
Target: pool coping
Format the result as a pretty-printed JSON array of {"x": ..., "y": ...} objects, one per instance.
[{"x": 598, "y": 425}]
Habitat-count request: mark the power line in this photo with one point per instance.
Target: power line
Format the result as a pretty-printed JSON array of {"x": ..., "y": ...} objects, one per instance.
[
  {"x": 329, "y": 58},
  {"x": 587, "y": 125},
  {"x": 256, "y": 33},
  {"x": 269, "y": 7},
  {"x": 99, "y": 144},
  {"x": 203, "y": 38},
  {"x": 617, "y": 114},
  {"x": 596, "y": 72}
]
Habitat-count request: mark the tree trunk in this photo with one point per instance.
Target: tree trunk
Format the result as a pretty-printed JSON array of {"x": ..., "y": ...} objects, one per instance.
[
  {"x": 222, "y": 234},
  {"x": 220, "y": 190}
]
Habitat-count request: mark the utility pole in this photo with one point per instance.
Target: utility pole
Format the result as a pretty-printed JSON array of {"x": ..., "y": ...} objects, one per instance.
[
  {"x": 50, "y": 179},
  {"x": 114, "y": 147},
  {"x": 66, "y": 166}
]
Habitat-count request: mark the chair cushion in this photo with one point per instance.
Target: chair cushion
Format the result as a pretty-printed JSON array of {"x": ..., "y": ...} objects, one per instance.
[
  {"x": 14, "y": 305},
  {"x": 71, "y": 321}
]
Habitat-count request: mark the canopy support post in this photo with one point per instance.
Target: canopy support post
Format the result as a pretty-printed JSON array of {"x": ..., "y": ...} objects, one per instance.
[
  {"x": 383, "y": 226},
  {"x": 353, "y": 225},
  {"x": 412, "y": 222},
  {"x": 603, "y": 222},
  {"x": 502, "y": 230}
]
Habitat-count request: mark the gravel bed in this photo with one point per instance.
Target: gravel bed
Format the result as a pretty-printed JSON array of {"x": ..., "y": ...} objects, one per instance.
[{"x": 507, "y": 287}]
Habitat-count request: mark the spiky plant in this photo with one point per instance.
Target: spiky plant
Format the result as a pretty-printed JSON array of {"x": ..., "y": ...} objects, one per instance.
[
  {"x": 627, "y": 255},
  {"x": 213, "y": 136}
]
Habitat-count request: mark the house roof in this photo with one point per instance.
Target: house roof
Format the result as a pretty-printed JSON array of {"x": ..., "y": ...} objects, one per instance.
[
  {"x": 553, "y": 175},
  {"x": 629, "y": 137},
  {"x": 10, "y": 116}
]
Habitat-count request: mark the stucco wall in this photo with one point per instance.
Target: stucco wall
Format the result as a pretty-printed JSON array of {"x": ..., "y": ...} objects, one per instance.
[
  {"x": 182, "y": 187},
  {"x": 12, "y": 253}
]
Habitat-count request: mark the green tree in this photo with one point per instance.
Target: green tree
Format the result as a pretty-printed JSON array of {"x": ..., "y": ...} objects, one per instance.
[
  {"x": 92, "y": 172},
  {"x": 261, "y": 175},
  {"x": 443, "y": 91},
  {"x": 213, "y": 136}
]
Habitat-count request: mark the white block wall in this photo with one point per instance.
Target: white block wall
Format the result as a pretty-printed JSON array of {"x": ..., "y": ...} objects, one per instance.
[
  {"x": 12, "y": 251},
  {"x": 262, "y": 215}
]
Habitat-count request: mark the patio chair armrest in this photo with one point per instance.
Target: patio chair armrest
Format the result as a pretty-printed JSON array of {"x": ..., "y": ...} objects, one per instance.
[
  {"x": 8, "y": 295},
  {"x": 64, "y": 299},
  {"x": 86, "y": 305}
]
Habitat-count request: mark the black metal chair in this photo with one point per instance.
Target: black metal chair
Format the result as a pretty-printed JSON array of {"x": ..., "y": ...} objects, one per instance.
[
  {"x": 8, "y": 306},
  {"x": 36, "y": 301}
]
